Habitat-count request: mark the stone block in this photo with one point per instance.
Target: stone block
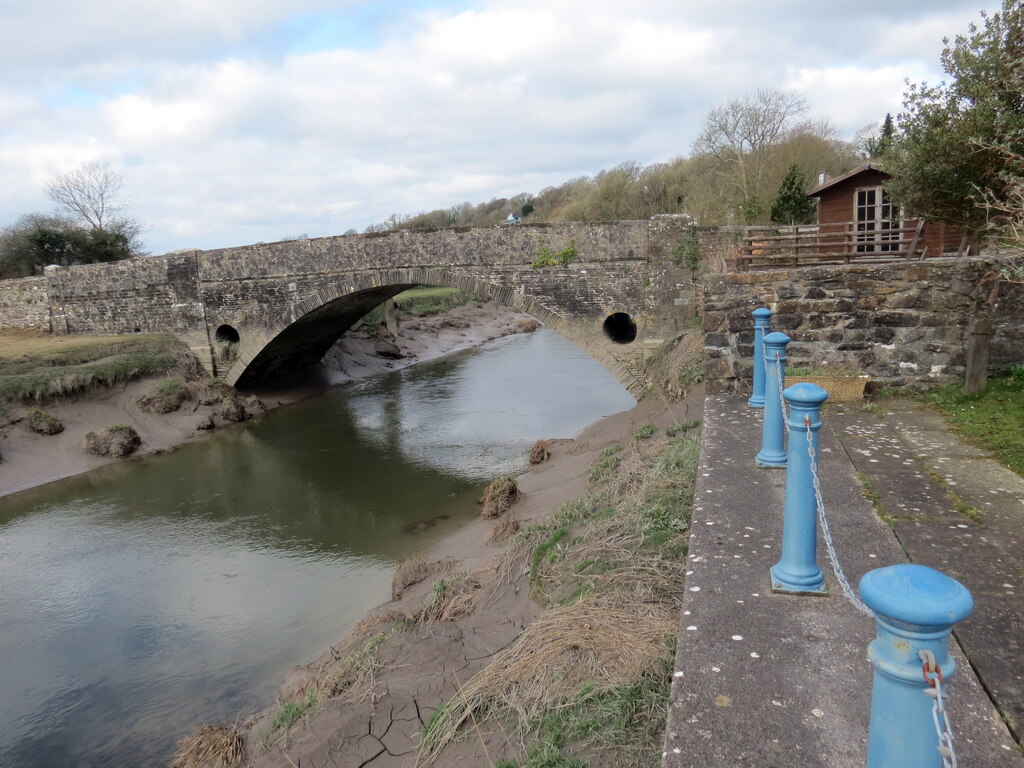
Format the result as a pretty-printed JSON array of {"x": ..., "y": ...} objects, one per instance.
[
  {"x": 897, "y": 319},
  {"x": 716, "y": 340},
  {"x": 787, "y": 322},
  {"x": 881, "y": 335},
  {"x": 869, "y": 302},
  {"x": 786, "y": 291},
  {"x": 720, "y": 368}
]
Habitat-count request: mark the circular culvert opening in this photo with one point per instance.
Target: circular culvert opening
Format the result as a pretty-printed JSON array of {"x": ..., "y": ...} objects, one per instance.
[
  {"x": 620, "y": 328},
  {"x": 227, "y": 335}
]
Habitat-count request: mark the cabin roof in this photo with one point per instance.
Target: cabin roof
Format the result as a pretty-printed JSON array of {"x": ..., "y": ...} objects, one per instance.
[{"x": 816, "y": 192}]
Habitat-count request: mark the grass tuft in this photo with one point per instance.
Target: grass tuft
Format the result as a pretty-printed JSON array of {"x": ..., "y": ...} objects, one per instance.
[
  {"x": 450, "y": 599},
  {"x": 210, "y": 745},
  {"x": 499, "y": 496},
  {"x": 993, "y": 419},
  {"x": 540, "y": 452}
]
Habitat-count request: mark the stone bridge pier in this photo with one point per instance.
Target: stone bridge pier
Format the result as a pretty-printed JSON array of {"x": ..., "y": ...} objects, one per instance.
[{"x": 282, "y": 305}]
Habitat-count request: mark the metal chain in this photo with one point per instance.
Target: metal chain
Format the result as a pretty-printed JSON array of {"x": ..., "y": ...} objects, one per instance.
[
  {"x": 826, "y": 533},
  {"x": 778, "y": 378},
  {"x": 939, "y": 716}
]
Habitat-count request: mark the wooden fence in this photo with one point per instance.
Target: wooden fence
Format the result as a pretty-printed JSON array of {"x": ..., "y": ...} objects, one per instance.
[{"x": 766, "y": 247}]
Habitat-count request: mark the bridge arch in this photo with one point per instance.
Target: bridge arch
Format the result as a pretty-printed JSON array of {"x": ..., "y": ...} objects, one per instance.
[{"x": 312, "y": 324}]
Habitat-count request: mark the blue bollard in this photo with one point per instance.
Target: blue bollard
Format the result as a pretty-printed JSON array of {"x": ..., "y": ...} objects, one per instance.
[
  {"x": 762, "y": 318},
  {"x": 773, "y": 433},
  {"x": 915, "y": 610},
  {"x": 798, "y": 572}
]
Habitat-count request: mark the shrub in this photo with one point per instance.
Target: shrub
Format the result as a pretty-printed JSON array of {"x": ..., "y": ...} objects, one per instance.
[
  {"x": 562, "y": 258},
  {"x": 687, "y": 250}
]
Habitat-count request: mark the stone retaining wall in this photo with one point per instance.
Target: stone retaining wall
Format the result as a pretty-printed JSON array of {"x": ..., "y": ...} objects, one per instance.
[{"x": 903, "y": 324}]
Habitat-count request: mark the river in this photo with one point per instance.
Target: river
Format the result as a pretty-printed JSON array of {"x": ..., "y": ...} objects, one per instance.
[{"x": 141, "y": 599}]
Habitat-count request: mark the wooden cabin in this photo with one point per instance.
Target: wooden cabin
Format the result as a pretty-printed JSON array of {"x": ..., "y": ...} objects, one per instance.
[
  {"x": 857, "y": 198},
  {"x": 857, "y": 223}
]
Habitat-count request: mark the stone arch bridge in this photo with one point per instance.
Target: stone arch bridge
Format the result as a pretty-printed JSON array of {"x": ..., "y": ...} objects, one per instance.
[{"x": 289, "y": 301}]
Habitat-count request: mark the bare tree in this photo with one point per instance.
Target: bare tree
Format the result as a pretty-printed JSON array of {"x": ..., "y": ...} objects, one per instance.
[
  {"x": 89, "y": 193},
  {"x": 738, "y": 135}
]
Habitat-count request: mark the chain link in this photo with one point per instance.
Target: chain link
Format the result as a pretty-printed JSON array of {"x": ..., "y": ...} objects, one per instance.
[
  {"x": 826, "y": 533},
  {"x": 778, "y": 378},
  {"x": 939, "y": 716}
]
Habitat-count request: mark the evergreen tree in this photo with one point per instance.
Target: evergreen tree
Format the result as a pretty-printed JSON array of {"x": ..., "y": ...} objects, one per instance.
[
  {"x": 792, "y": 205},
  {"x": 885, "y": 137}
]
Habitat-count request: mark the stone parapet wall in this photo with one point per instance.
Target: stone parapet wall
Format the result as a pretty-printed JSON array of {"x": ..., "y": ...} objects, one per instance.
[
  {"x": 25, "y": 305},
  {"x": 149, "y": 295},
  {"x": 328, "y": 283},
  {"x": 904, "y": 324},
  {"x": 675, "y": 293},
  {"x": 611, "y": 264}
]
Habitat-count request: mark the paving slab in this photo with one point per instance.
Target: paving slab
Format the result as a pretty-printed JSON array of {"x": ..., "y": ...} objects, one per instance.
[
  {"x": 763, "y": 679},
  {"x": 984, "y": 550}
]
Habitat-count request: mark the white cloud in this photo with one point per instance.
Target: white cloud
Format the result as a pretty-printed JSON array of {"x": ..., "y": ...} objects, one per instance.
[{"x": 226, "y": 137}]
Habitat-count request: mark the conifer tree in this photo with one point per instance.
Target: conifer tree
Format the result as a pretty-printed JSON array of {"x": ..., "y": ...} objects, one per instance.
[{"x": 792, "y": 205}]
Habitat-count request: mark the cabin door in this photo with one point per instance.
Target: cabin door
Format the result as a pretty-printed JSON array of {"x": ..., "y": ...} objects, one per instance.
[{"x": 877, "y": 221}]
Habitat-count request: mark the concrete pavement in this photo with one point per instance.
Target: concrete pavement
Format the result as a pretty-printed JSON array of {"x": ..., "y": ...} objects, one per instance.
[{"x": 779, "y": 680}]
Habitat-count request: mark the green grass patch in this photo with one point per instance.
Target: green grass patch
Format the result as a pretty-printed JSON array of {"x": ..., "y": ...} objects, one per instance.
[
  {"x": 993, "y": 419},
  {"x": 644, "y": 432},
  {"x": 603, "y": 468},
  {"x": 290, "y": 712},
  {"x": 627, "y": 714},
  {"x": 691, "y": 373},
  {"x": 681, "y": 427},
  {"x": 545, "y": 552},
  {"x": 41, "y": 368},
  {"x": 431, "y": 300},
  {"x": 421, "y": 301}
]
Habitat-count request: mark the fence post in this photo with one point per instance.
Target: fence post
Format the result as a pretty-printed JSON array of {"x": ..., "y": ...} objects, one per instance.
[
  {"x": 773, "y": 446},
  {"x": 798, "y": 572},
  {"x": 915, "y": 610},
  {"x": 762, "y": 320}
]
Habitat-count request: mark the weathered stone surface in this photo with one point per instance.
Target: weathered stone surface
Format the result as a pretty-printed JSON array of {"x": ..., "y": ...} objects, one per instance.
[
  {"x": 901, "y": 325},
  {"x": 288, "y": 302}
]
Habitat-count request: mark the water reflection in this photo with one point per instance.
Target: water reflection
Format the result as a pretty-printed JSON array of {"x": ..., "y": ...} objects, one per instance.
[{"x": 146, "y": 597}]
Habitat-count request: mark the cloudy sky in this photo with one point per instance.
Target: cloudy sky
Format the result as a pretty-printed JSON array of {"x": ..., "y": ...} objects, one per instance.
[{"x": 239, "y": 121}]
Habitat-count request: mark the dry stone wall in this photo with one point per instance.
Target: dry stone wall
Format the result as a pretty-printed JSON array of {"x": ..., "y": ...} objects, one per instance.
[{"x": 903, "y": 324}]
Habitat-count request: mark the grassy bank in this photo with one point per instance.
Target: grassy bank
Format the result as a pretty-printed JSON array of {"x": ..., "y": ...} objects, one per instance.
[
  {"x": 40, "y": 367},
  {"x": 993, "y": 419},
  {"x": 420, "y": 302},
  {"x": 588, "y": 683}
]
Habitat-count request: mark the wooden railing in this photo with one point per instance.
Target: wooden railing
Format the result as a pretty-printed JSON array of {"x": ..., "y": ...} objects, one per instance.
[{"x": 765, "y": 247}]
